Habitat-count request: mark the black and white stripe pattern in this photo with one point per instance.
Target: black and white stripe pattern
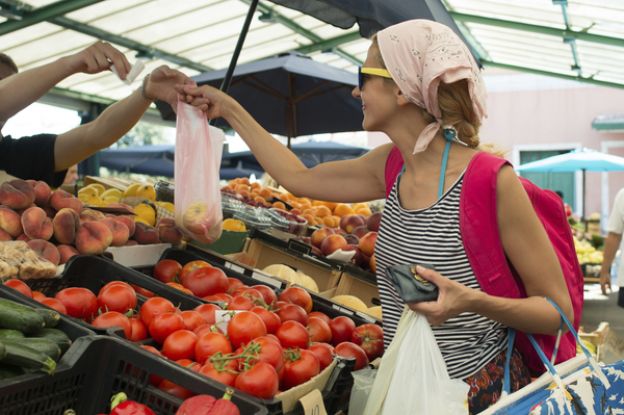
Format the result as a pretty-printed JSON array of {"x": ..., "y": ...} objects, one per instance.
[{"x": 432, "y": 236}]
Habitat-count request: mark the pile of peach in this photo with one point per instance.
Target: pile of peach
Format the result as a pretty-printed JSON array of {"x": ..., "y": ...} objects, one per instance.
[{"x": 57, "y": 225}]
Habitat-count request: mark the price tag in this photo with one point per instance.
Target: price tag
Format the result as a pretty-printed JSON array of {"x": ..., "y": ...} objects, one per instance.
[
  {"x": 234, "y": 267},
  {"x": 313, "y": 403},
  {"x": 223, "y": 317},
  {"x": 267, "y": 280},
  {"x": 342, "y": 309}
]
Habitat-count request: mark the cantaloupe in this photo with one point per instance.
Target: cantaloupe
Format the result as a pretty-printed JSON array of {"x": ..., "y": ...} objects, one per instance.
[
  {"x": 375, "y": 312},
  {"x": 350, "y": 301},
  {"x": 283, "y": 272},
  {"x": 307, "y": 282}
]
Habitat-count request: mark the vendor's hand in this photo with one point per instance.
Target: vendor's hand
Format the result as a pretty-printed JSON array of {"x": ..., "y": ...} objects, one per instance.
[
  {"x": 605, "y": 281},
  {"x": 99, "y": 57},
  {"x": 452, "y": 299},
  {"x": 160, "y": 84},
  {"x": 212, "y": 101}
]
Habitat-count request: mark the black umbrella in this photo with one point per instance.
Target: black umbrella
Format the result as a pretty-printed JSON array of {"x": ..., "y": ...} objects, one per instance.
[{"x": 291, "y": 95}]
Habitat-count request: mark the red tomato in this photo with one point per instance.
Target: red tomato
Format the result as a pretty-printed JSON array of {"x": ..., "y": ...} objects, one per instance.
[
  {"x": 319, "y": 330},
  {"x": 79, "y": 302},
  {"x": 370, "y": 337},
  {"x": 153, "y": 307},
  {"x": 175, "y": 390},
  {"x": 324, "y": 353},
  {"x": 240, "y": 303},
  {"x": 300, "y": 365},
  {"x": 267, "y": 293},
  {"x": 111, "y": 319},
  {"x": 299, "y": 296},
  {"x": 219, "y": 298},
  {"x": 352, "y": 351},
  {"x": 320, "y": 315},
  {"x": 192, "y": 266},
  {"x": 293, "y": 312},
  {"x": 55, "y": 304},
  {"x": 194, "y": 366},
  {"x": 139, "y": 331},
  {"x": 244, "y": 327},
  {"x": 271, "y": 320},
  {"x": 210, "y": 343},
  {"x": 192, "y": 319},
  {"x": 342, "y": 329},
  {"x": 207, "y": 311},
  {"x": 260, "y": 381},
  {"x": 264, "y": 349},
  {"x": 205, "y": 281},
  {"x": 20, "y": 286},
  {"x": 180, "y": 287},
  {"x": 180, "y": 345},
  {"x": 254, "y": 295},
  {"x": 293, "y": 334},
  {"x": 119, "y": 297},
  {"x": 38, "y": 296},
  {"x": 142, "y": 291},
  {"x": 164, "y": 324},
  {"x": 234, "y": 284},
  {"x": 225, "y": 373},
  {"x": 167, "y": 270},
  {"x": 204, "y": 328}
]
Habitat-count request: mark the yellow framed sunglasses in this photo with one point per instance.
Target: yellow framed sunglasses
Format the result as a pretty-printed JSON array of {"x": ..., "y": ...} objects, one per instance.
[{"x": 364, "y": 70}]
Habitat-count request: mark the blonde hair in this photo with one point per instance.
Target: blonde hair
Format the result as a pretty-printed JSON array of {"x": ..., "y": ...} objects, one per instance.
[{"x": 455, "y": 105}]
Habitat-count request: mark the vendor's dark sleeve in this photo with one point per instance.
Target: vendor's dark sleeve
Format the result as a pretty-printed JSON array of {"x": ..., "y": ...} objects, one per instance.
[{"x": 31, "y": 158}]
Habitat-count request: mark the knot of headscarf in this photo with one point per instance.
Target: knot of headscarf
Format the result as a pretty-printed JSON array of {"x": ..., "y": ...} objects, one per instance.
[{"x": 419, "y": 54}]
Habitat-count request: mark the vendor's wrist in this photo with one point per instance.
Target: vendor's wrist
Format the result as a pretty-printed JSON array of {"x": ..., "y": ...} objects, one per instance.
[{"x": 144, "y": 88}]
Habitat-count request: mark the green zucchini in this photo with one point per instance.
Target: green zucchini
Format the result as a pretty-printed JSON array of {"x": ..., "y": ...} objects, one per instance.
[
  {"x": 51, "y": 317},
  {"x": 26, "y": 357},
  {"x": 19, "y": 317},
  {"x": 41, "y": 344},
  {"x": 2, "y": 351},
  {"x": 56, "y": 335},
  {"x": 11, "y": 334}
]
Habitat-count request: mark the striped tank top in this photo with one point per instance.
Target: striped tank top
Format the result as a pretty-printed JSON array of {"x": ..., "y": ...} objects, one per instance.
[{"x": 432, "y": 235}]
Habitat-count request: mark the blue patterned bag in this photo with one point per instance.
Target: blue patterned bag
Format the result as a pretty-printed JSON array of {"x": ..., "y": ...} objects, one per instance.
[{"x": 578, "y": 386}]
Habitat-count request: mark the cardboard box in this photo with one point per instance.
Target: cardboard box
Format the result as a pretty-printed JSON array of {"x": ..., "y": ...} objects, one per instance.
[
  {"x": 365, "y": 289},
  {"x": 265, "y": 254},
  {"x": 308, "y": 393}
]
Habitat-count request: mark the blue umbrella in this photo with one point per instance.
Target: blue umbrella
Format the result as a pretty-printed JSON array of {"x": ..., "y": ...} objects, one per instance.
[{"x": 584, "y": 159}]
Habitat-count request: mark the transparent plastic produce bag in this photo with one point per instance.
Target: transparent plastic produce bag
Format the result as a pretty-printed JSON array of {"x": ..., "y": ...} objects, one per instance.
[
  {"x": 412, "y": 376},
  {"x": 197, "y": 163}
]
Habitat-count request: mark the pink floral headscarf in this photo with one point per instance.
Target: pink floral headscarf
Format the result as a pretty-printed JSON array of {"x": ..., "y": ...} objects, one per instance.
[{"x": 419, "y": 54}]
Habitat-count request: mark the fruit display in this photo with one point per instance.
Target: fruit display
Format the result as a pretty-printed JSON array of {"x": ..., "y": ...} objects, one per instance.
[
  {"x": 57, "y": 225},
  {"x": 587, "y": 253}
]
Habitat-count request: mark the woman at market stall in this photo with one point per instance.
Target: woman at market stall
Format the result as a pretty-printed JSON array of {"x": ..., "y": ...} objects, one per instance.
[
  {"x": 420, "y": 85},
  {"x": 48, "y": 156}
]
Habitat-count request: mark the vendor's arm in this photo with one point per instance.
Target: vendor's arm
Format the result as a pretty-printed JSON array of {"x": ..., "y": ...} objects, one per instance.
[
  {"x": 83, "y": 141},
  {"x": 356, "y": 180},
  {"x": 611, "y": 244},
  {"x": 26, "y": 87},
  {"x": 530, "y": 251}
]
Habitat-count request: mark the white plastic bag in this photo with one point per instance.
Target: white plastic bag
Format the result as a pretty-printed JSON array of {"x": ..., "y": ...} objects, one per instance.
[
  {"x": 363, "y": 380},
  {"x": 197, "y": 162},
  {"x": 412, "y": 377}
]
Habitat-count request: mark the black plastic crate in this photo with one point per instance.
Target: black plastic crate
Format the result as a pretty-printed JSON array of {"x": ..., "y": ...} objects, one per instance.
[
  {"x": 97, "y": 368},
  {"x": 94, "y": 272}
]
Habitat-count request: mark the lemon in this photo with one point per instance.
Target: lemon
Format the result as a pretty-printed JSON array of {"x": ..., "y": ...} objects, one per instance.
[{"x": 146, "y": 212}]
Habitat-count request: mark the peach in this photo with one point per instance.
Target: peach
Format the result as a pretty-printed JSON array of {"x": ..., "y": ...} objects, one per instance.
[
  {"x": 349, "y": 222},
  {"x": 87, "y": 215},
  {"x": 361, "y": 259},
  {"x": 373, "y": 263},
  {"x": 352, "y": 239},
  {"x": 145, "y": 234},
  {"x": 61, "y": 199},
  {"x": 129, "y": 222},
  {"x": 373, "y": 222},
  {"x": 367, "y": 243},
  {"x": 10, "y": 221},
  {"x": 360, "y": 231},
  {"x": 197, "y": 219},
  {"x": 120, "y": 231},
  {"x": 37, "y": 224},
  {"x": 93, "y": 238},
  {"x": 22, "y": 237},
  {"x": 5, "y": 236},
  {"x": 45, "y": 250},
  {"x": 42, "y": 192},
  {"x": 66, "y": 252},
  {"x": 333, "y": 243},
  {"x": 168, "y": 231},
  {"x": 319, "y": 235},
  {"x": 131, "y": 242},
  {"x": 16, "y": 194},
  {"x": 66, "y": 223}
]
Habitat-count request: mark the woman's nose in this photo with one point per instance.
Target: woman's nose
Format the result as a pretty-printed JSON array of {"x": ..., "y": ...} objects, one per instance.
[{"x": 355, "y": 92}]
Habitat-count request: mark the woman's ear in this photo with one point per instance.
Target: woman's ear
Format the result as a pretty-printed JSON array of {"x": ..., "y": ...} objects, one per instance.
[{"x": 400, "y": 97}]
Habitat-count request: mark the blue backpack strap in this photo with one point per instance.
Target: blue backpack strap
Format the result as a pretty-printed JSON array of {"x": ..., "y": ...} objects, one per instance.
[{"x": 511, "y": 337}]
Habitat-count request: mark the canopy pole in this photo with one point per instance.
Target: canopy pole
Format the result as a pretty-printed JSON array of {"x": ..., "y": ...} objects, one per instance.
[{"x": 584, "y": 205}]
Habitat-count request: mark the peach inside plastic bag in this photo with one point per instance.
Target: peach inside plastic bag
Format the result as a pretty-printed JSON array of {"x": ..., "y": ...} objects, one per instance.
[{"x": 198, "y": 153}]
